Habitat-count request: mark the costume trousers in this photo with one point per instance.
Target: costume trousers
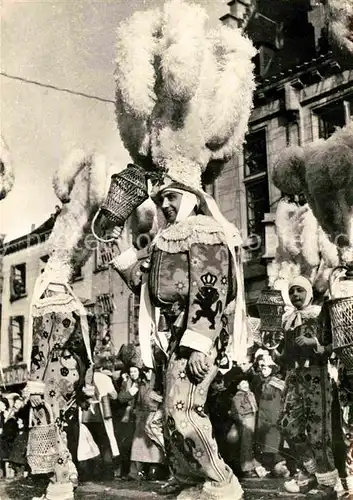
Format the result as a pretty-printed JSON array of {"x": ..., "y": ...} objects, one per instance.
[
  {"x": 346, "y": 402},
  {"x": 305, "y": 419},
  {"x": 191, "y": 447}
]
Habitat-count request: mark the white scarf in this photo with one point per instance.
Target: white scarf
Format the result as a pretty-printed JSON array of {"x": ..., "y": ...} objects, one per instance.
[{"x": 294, "y": 317}]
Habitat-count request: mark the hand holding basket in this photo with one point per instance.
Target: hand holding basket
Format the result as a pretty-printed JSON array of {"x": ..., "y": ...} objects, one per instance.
[{"x": 127, "y": 191}]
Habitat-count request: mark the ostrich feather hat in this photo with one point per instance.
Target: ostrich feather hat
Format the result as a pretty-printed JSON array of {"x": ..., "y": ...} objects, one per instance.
[{"x": 183, "y": 94}]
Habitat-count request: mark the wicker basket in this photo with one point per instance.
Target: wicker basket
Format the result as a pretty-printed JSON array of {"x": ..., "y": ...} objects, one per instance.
[
  {"x": 341, "y": 316},
  {"x": 42, "y": 451},
  {"x": 127, "y": 191},
  {"x": 271, "y": 308}
]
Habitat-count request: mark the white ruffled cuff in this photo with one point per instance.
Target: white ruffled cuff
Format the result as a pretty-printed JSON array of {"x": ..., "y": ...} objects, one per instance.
[
  {"x": 35, "y": 387},
  {"x": 125, "y": 260},
  {"x": 196, "y": 341}
]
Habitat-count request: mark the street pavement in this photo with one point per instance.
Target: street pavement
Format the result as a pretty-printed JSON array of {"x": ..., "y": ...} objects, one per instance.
[{"x": 255, "y": 489}]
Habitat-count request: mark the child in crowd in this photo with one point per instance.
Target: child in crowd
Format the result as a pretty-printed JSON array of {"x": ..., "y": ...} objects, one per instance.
[
  {"x": 268, "y": 436},
  {"x": 127, "y": 395},
  {"x": 147, "y": 452},
  {"x": 8, "y": 436},
  {"x": 244, "y": 412},
  {"x": 98, "y": 419}
]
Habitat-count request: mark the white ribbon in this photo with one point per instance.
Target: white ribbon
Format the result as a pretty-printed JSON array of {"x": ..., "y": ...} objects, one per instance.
[
  {"x": 145, "y": 326},
  {"x": 148, "y": 327},
  {"x": 240, "y": 326}
]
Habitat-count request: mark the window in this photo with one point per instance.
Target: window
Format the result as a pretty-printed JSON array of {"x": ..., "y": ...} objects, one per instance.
[
  {"x": 76, "y": 273},
  {"x": 134, "y": 308},
  {"x": 333, "y": 115},
  {"x": 104, "y": 254},
  {"x": 255, "y": 154},
  {"x": 257, "y": 193},
  {"x": 257, "y": 205},
  {"x": 105, "y": 303},
  {"x": 18, "y": 281},
  {"x": 16, "y": 329}
]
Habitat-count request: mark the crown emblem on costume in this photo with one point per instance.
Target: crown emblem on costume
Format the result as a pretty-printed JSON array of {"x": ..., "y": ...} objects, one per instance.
[{"x": 209, "y": 279}]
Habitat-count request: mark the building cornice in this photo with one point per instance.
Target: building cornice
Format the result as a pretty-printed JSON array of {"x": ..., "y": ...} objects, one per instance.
[
  {"x": 39, "y": 235},
  {"x": 23, "y": 242},
  {"x": 299, "y": 76}
]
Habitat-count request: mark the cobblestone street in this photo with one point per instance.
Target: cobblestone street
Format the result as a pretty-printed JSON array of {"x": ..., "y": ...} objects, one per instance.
[{"x": 255, "y": 489}]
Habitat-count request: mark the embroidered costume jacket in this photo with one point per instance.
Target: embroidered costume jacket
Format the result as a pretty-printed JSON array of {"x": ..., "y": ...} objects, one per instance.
[
  {"x": 314, "y": 327},
  {"x": 190, "y": 279},
  {"x": 58, "y": 357}
]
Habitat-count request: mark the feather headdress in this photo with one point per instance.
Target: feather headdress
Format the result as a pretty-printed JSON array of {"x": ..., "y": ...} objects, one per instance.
[
  {"x": 340, "y": 23},
  {"x": 288, "y": 172},
  {"x": 187, "y": 101},
  {"x": 80, "y": 182},
  {"x": 303, "y": 248},
  {"x": 323, "y": 171}
]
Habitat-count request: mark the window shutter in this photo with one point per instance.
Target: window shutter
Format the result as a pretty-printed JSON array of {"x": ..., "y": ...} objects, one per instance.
[{"x": 12, "y": 280}]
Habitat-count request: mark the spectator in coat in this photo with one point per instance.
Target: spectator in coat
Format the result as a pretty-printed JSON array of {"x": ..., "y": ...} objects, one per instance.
[
  {"x": 18, "y": 457},
  {"x": 268, "y": 436},
  {"x": 126, "y": 417},
  {"x": 9, "y": 433},
  {"x": 244, "y": 412},
  {"x": 147, "y": 451},
  {"x": 4, "y": 408}
]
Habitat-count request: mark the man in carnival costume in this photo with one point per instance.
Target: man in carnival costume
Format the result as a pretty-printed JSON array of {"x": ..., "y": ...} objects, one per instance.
[
  {"x": 181, "y": 111},
  {"x": 192, "y": 276}
]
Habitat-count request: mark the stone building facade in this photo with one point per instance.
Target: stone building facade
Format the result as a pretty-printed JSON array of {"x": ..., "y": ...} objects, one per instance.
[{"x": 304, "y": 91}]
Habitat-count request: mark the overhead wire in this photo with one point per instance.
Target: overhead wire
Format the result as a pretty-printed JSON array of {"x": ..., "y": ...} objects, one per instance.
[{"x": 56, "y": 87}]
